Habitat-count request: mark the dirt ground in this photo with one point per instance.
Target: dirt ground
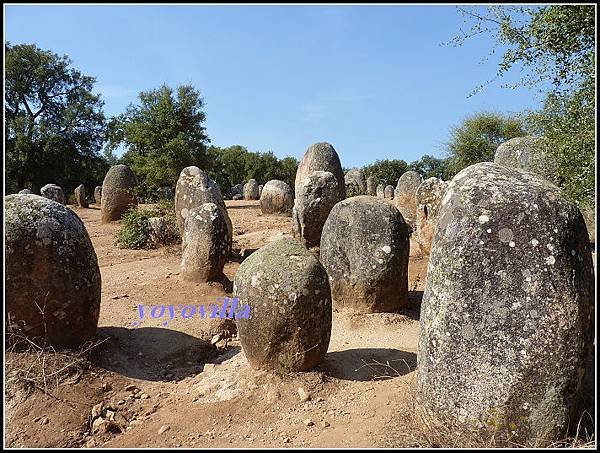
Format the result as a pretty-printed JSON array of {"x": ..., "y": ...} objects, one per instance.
[{"x": 169, "y": 386}]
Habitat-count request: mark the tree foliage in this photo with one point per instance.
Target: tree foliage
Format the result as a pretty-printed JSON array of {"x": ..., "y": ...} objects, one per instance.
[
  {"x": 54, "y": 125},
  {"x": 163, "y": 134},
  {"x": 428, "y": 166},
  {"x": 386, "y": 171}
]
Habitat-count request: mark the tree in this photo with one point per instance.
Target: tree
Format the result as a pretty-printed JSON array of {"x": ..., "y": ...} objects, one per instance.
[
  {"x": 477, "y": 138},
  {"x": 428, "y": 166},
  {"x": 55, "y": 126},
  {"x": 163, "y": 135},
  {"x": 386, "y": 172}
]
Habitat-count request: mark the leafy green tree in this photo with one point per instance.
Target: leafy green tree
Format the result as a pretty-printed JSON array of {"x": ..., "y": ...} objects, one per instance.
[
  {"x": 54, "y": 126},
  {"x": 477, "y": 138},
  {"x": 163, "y": 134},
  {"x": 428, "y": 166},
  {"x": 386, "y": 171}
]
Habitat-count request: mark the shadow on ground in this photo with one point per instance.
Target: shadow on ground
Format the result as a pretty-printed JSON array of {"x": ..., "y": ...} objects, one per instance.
[{"x": 368, "y": 364}]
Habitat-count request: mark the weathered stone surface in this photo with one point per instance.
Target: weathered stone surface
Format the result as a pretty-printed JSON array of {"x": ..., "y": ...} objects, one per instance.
[
  {"x": 158, "y": 231},
  {"x": 194, "y": 188},
  {"x": 80, "y": 196},
  {"x": 529, "y": 154},
  {"x": 589, "y": 215},
  {"x": 380, "y": 191},
  {"x": 287, "y": 291},
  {"x": 406, "y": 196},
  {"x": 260, "y": 189},
  {"x": 118, "y": 192},
  {"x": 506, "y": 314},
  {"x": 320, "y": 157},
  {"x": 317, "y": 195},
  {"x": 355, "y": 182},
  {"x": 25, "y": 191},
  {"x": 51, "y": 267},
  {"x": 364, "y": 248},
  {"x": 251, "y": 190},
  {"x": 429, "y": 200},
  {"x": 206, "y": 244},
  {"x": 388, "y": 192},
  {"x": 277, "y": 198},
  {"x": 98, "y": 194},
  {"x": 371, "y": 186},
  {"x": 53, "y": 192},
  {"x": 237, "y": 189},
  {"x": 238, "y": 196}
]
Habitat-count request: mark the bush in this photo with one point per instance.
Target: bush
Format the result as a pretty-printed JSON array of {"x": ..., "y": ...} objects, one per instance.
[{"x": 135, "y": 230}]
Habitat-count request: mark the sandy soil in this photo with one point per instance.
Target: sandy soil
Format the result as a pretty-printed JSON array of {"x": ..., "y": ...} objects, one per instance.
[{"x": 196, "y": 394}]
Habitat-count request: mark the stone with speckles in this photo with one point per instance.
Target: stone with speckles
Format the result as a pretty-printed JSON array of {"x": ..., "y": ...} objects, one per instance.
[
  {"x": 355, "y": 182},
  {"x": 251, "y": 191},
  {"x": 98, "y": 194},
  {"x": 118, "y": 193},
  {"x": 529, "y": 154},
  {"x": 429, "y": 199},
  {"x": 287, "y": 290},
  {"x": 380, "y": 191},
  {"x": 506, "y": 321},
  {"x": 365, "y": 248},
  {"x": 80, "y": 196},
  {"x": 277, "y": 197},
  {"x": 371, "y": 186},
  {"x": 53, "y": 282},
  {"x": 388, "y": 192},
  {"x": 53, "y": 192},
  {"x": 406, "y": 196}
]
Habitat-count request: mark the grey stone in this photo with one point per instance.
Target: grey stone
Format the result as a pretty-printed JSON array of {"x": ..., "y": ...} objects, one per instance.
[
  {"x": 320, "y": 157},
  {"x": 158, "y": 231},
  {"x": 118, "y": 193},
  {"x": 429, "y": 200},
  {"x": 287, "y": 292},
  {"x": 406, "y": 196},
  {"x": 506, "y": 318},
  {"x": 380, "y": 191},
  {"x": 277, "y": 197},
  {"x": 355, "y": 182},
  {"x": 80, "y": 196},
  {"x": 530, "y": 154},
  {"x": 260, "y": 189},
  {"x": 206, "y": 244},
  {"x": 388, "y": 192},
  {"x": 317, "y": 195},
  {"x": 364, "y": 248},
  {"x": 238, "y": 189},
  {"x": 53, "y": 192},
  {"x": 371, "y": 186},
  {"x": 25, "y": 191},
  {"x": 589, "y": 215},
  {"x": 53, "y": 283},
  {"x": 251, "y": 190},
  {"x": 98, "y": 194},
  {"x": 238, "y": 196}
]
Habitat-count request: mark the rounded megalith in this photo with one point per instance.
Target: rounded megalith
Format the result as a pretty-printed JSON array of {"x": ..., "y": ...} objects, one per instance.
[
  {"x": 53, "y": 282},
  {"x": 98, "y": 194},
  {"x": 355, "y": 182},
  {"x": 25, "y": 191},
  {"x": 388, "y": 192},
  {"x": 406, "y": 196},
  {"x": 364, "y": 248},
  {"x": 506, "y": 317},
  {"x": 158, "y": 231},
  {"x": 530, "y": 154},
  {"x": 289, "y": 301},
  {"x": 238, "y": 189},
  {"x": 320, "y": 157},
  {"x": 429, "y": 200},
  {"x": 118, "y": 192},
  {"x": 277, "y": 198},
  {"x": 380, "y": 191},
  {"x": 251, "y": 190},
  {"x": 80, "y": 196},
  {"x": 371, "y": 186},
  {"x": 206, "y": 243},
  {"x": 316, "y": 195},
  {"x": 194, "y": 188},
  {"x": 53, "y": 192}
]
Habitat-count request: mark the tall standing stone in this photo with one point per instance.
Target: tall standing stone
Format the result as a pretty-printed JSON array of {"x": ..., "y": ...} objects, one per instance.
[
  {"x": 406, "y": 196},
  {"x": 287, "y": 292},
  {"x": 318, "y": 187},
  {"x": 364, "y": 248},
  {"x": 530, "y": 154},
  {"x": 355, "y": 182},
  {"x": 380, "y": 191},
  {"x": 506, "y": 318},
  {"x": 371, "y": 186},
  {"x": 251, "y": 190},
  {"x": 53, "y": 281},
  {"x": 429, "y": 200},
  {"x": 80, "y": 196},
  {"x": 277, "y": 198},
  {"x": 98, "y": 194},
  {"x": 118, "y": 192},
  {"x": 388, "y": 192},
  {"x": 53, "y": 192}
]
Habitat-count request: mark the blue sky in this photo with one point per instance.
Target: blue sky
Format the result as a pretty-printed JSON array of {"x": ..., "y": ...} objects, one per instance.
[{"x": 375, "y": 81}]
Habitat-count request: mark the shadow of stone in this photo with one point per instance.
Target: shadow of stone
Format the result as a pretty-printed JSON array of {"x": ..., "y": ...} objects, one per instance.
[
  {"x": 152, "y": 353},
  {"x": 368, "y": 364}
]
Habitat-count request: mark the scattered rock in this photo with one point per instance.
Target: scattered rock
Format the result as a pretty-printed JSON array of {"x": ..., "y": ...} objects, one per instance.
[{"x": 163, "y": 429}]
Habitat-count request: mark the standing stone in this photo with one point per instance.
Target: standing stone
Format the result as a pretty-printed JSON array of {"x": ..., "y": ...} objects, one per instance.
[
  {"x": 507, "y": 310},
  {"x": 51, "y": 267},
  {"x": 118, "y": 193},
  {"x": 380, "y": 192},
  {"x": 238, "y": 189},
  {"x": 388, "y": 192},
  {"x": 98, "y": 194},
  {"x": 364, "y": 248},
  {"x": 355, "y": 182},
  {"x": 194, "y": 188},
  {"x": 206, "y": 244},
  {"x": 318, "y": 187},
  {"x": 80, "y": 196},
  {"x": 429, "y": 200},
  {"x": 260, "y": 189},
  {"x": 406, "y": 196},
  {"x": 529, "y": 154},
  {"x": 589, "y": 215},
  {"x": 371, "y": 186},
  {"x": 277, "y": 198},
  {"x": 251, "y": 190},
  {"x": 317, "y": 195},
  {"x": 238, "y": 196},
  {"x": 158, "y": 231},
  {"x": 53, "y": 192},
  {"x": 25, "y": 191},
  {"x": 287, "y": 292}
]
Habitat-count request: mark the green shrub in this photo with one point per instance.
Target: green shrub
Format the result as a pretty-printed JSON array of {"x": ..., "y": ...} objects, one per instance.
[{"x": 135, "y": 231}]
